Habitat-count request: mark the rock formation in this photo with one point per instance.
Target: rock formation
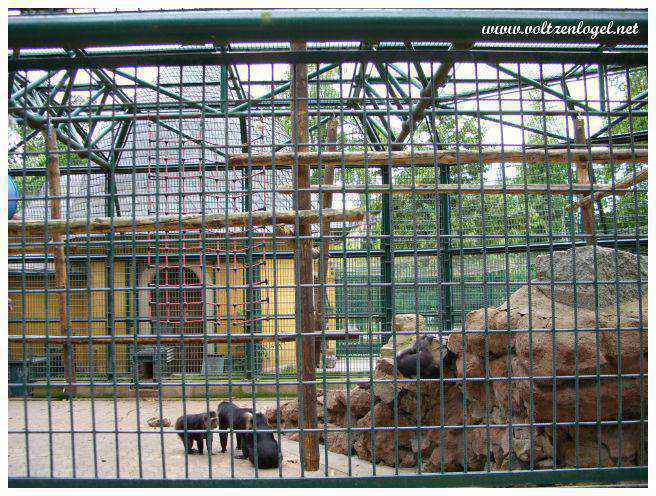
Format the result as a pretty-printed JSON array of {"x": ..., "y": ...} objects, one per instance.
[
  {"x": 490, "y": 405},
  {"x": 403, "y": 323}
]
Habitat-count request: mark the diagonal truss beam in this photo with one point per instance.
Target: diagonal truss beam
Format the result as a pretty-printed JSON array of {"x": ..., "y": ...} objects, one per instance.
[
  {"x": 543, "y": 86},
  {"x": 426, "y": 96},
  {"x": 637, "y": 102}
]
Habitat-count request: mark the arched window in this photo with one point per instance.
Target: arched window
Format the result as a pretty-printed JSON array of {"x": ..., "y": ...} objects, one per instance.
[{"x": 177, "y": 305}]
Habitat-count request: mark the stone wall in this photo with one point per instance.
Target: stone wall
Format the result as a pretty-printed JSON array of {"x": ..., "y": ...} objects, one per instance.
[{"x": 505, "y": 377}]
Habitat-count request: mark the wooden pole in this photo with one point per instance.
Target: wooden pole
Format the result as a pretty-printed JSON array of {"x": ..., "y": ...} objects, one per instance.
[
  {"x": 396, "y": 158},
  {"x": 621, "y": 188},
  {"x": 470, "y": 189},
  {"x": 583, "y": 177},
  {"x": 326, "y": 201},
  {"x": 54, "y": 188},
  {"x": 103, "y": 225},
  {"x": 106, "y": 339},
  {"x": 303, "y": 259}
]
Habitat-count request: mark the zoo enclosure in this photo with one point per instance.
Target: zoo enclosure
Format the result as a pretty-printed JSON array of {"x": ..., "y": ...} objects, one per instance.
[{"x": 211, "y": 193}]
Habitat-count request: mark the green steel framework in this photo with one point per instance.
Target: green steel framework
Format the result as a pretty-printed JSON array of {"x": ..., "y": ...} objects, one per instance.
[{"x": 248, "y": 37}]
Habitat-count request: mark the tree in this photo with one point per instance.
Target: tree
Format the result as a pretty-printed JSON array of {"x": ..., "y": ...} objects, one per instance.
[{"x": 31, "y": 155}]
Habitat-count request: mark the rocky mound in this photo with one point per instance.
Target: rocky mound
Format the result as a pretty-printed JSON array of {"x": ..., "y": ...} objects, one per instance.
[{"x": 494, "y": 405}]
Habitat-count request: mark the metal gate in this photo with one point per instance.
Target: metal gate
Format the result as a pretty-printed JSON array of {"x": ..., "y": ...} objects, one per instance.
[{"x": 216, "y": 205}]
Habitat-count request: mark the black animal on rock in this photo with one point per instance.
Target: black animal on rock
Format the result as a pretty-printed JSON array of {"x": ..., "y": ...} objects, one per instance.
[{"x": 406, "y": 361}]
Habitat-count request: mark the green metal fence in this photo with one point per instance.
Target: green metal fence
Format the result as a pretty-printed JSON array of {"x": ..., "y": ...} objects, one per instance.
[{"x": 414, "y": 241}]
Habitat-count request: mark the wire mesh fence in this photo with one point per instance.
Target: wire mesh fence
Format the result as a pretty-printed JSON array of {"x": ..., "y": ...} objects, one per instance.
[{"x": 439, "y": 251}]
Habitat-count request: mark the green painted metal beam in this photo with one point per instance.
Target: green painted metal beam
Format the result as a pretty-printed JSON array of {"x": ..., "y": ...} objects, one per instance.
[
  {"x": 189, "y": 137},
  {"x": 603, "y": 476},
  {"x": 334, "y": 112},
  {"x": 543, "y": 87},
  {"x": 403, "y": 76},
  {"x": 92, "y": 126},
  {"x": 384, "y": 126},
  {"x": 109, "y": 82},
  {"x": 153, "y": 58},
  {"x": 418, "y": 111},
  {"x": 446, "y": 262},
  {"x": 58, "y": 86},
  {"x": 30, "y": 86},
  {"x": 108, "y": 129},
  {"x": 313, "y": 127},
  {"x": 616, "y": 121},
  {"x": 38, "y": 122},
  {"x": 37, "y": 97},
  {"x": 167, "y": 93},
  {"x": 281, "y": 89},
  {"x": 423, "y": 79},
  {"x": 393, "y": 86},
  {"x": 602, "y": 87},
  {"x": 24, "y": 140},
  {"x": 367, "y": 124},
  {"x": 508, "y": 85},
  {"x": 638, "y": 100},
  {"x": 119, "y": 143},
  {"x": 462, "y": 25},
  {"x": 211, "y": 110}
]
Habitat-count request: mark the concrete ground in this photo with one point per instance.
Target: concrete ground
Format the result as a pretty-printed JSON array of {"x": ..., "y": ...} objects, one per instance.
[{"x": 145, "y": 455}]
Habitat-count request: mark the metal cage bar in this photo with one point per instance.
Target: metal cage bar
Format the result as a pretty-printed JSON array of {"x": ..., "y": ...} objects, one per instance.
[{"x": 416, "y": 262}]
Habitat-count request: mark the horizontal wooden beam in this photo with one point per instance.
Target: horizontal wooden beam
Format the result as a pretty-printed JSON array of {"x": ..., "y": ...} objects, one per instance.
[
  {"x": 169, "y": 338},
  {"x": 432, "y": 157},
  {"x": 468, "y": 189},
  {"x": 621, "y": 188},
  {"x": 178, "y": 222}
]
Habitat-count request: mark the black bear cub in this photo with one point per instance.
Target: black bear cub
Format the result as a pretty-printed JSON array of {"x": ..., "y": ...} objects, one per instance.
[
  {"x": 406, "y": 361},
  {"x": 196, "y": 422},
  {"x": 268, "y": 454},
  {"x": 232, "y": 416}
]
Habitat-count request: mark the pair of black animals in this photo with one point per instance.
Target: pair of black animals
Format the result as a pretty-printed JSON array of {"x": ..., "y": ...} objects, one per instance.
[{"x": 259, "y": 447}]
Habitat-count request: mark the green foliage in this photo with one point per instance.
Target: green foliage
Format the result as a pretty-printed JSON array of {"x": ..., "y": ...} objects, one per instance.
[
  {"x": 32, "y": 155},
  {"x": 419, "y": 215},
  {"x": 637, "y": 83},
  {"x": 24, "y": 159}
]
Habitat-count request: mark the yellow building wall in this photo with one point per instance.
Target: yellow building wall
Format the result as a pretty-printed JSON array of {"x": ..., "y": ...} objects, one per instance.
[
  {"x": 279, "y": 290},
  {"x": 228, "y": 303},
  {"x": 282, "y": 302},
  {"x": 98, "y": 316},
  {"x": 85, "y": 319},
  {"x": 34, "y": 307}
]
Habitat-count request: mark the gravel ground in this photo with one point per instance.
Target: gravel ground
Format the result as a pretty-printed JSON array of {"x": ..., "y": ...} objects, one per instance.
[{"x": 130, "y": 455}]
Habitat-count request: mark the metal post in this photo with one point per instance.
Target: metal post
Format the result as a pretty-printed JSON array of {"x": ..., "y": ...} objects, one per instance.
[
  {"x": 445, "y": 251},
  {"x": 387, "y": 259},
  {"x": 251, "y": 269},
  {"x": 111, "y": 355},
  {"x": 304, "y": 273}
]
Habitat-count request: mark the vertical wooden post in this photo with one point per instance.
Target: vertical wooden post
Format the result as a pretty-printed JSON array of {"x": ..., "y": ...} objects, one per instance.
[
  {"x": 54, "y": 188},
  {"x": 326, "y": 201},
  {"x": 303, "y": 258},
  {"x": 583, "y": 177}
]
